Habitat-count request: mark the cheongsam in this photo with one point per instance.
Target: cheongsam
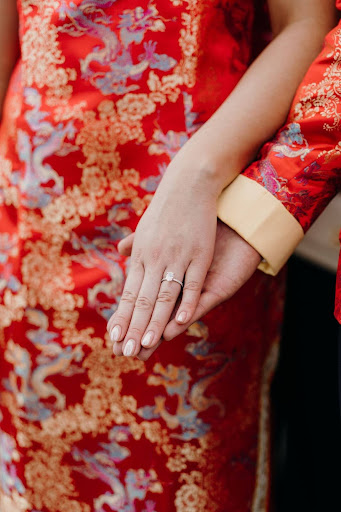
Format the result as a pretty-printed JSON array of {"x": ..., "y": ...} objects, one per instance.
[{"x": 103, "y": 96}]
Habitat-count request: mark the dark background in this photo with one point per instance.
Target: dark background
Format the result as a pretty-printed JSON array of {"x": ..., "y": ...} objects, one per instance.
[{"x": 307, "y": 449}]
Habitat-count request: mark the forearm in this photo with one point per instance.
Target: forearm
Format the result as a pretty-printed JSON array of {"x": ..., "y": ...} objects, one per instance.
[
  {"x": 257, "y": 107},
  {"x": 277, "y": 198},
  {"x": 8, "y": 43}
]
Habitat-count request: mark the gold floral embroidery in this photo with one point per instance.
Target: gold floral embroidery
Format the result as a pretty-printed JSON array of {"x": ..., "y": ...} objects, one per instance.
[
  {"x": 42, "y": 57},
  {"x": 103, "y": 405},
  {"x": 50, "y": 482},
  {"x": 134, "y": 107},
  {"x": 65, "y": 112},
  {"x": 165, "y": 88},
  {"x": 47, "y": 275},
  {"x": 9, "y": 193},
  {"x": 323, "y": 98},
  {"x": 192, "y": 497},
  {"x": 12, "y": 307},
  {"x": 332, "y": 154},
  {"x": 190, "y": 42},
  {"x": 53, "y": 488},
  {"x": 29, "y": 5},
  {"x": 98, "y": 142}
]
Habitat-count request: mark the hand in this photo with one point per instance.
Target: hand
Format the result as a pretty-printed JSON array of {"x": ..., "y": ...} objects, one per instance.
[
  {"x": 233, "y": 264},
  {"x": 176, "y": 234}
]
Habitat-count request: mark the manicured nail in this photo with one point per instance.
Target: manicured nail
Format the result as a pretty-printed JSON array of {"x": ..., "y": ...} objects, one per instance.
[
  {"x": 147, "y": 340},
  {"x": 115, "y": 333},
  {"x": 129, "y": 348},
  {"x": 182, "y": 317}
]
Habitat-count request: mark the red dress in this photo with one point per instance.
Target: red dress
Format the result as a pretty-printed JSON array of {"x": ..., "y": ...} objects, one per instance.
[{"x": 104, "y": 95}]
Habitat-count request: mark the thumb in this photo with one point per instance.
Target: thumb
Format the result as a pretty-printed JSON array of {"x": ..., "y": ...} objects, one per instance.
[{"x": 125, "y": 246}]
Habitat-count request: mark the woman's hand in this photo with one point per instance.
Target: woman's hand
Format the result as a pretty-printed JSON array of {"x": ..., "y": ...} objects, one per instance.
[
  {"x": 233, "y": 264},
  {"x": 176, "y": 234}
]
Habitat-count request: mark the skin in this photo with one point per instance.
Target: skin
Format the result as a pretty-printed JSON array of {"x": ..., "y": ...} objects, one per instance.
[
  {"x": 9, "y": 44},
  {"x": 178, "y": 231},
  {"x": 234, "y": 262}
]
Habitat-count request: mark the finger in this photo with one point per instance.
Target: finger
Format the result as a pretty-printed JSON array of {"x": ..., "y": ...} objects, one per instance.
[
  {"x": 207, "y": 301},
  {"x": 145, "y": 353},
  {"x": 165, "y": 302},
  {"x": 117, "y": 348},
  {"x": 125, "y": 246},
  {"x": 143, "y": 310},
  {"x": 119, "y": 322},
  {"x": 194, "y": 282}
]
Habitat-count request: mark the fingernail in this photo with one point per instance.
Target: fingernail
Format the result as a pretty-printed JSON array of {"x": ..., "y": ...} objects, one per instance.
[
  {"x": 129, "y": 348},
  {"x": 182, "y": 317},
  {"x": 147, "y": 340},
  {"x": 115, "y": 333}
]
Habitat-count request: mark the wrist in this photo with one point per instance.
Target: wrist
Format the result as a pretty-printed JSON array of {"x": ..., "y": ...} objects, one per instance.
[
  {"x": 210, "y": 161},
  {"x": 201, "y": 173}
]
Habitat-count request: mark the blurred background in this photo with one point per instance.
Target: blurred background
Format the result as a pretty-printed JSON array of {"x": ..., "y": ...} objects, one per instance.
[{"x": 305, "y": 390}]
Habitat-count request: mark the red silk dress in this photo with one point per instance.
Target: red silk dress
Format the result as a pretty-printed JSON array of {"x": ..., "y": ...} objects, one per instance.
[{"x": 104, "y": 95}]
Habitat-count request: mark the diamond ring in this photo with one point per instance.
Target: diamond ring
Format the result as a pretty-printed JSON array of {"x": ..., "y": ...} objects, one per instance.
[{"x": 170, "y": 277}]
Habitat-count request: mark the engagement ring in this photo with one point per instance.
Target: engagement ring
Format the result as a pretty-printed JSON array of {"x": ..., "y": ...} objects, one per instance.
[{"x": 170, "y": 277}]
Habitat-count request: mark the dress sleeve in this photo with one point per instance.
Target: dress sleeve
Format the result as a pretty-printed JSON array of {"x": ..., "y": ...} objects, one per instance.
[{"x": 277, "y": 198}]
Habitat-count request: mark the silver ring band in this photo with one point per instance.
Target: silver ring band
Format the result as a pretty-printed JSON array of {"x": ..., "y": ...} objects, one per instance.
[{"x": 170, "y": 277}]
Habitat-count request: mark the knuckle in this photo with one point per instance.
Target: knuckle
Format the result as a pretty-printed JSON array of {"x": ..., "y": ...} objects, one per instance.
[
  {"x": 123, "y": 312},
  {"x": 143, "y": 303},
  {"x": 155, "y": 255},
  {"x": 155, "y": 325},
  {"x": 165, "y": 296},
  {"x": 192, "y": 286},
  {"x": 120, "y": 319},
  {"x": 128, "y": 297},
  {"x": 198, "y": 252},
  {"x": 189, "y": 306},
  {"x": 134, "y": 332},
  {"x": 174, "y": 250}
]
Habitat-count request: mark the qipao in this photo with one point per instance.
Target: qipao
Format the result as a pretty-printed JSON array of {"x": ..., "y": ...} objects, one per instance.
[{"x": 103, "y": 96}]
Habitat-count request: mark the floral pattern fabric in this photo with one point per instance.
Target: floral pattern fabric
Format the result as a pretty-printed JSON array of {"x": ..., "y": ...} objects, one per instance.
[
  {"x": 104, "y": 95},
  {"x": 301, "y": 165}
]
